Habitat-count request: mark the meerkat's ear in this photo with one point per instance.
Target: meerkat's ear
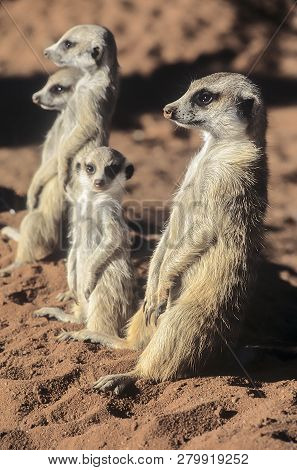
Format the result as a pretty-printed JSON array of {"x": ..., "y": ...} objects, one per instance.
[
  {"x": 245, "y": 107},
  {"x": 129, "y": 171}
]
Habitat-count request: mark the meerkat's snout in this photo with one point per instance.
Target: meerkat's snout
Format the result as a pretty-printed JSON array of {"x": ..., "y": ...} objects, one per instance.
[
  {"x": 168, "y": 111},
  {"x": 36, "y": 98},
  {"x": 99, "y": 183}
]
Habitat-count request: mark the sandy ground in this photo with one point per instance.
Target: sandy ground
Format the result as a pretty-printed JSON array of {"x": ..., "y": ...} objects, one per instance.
[{"x": 45, "y": 387}]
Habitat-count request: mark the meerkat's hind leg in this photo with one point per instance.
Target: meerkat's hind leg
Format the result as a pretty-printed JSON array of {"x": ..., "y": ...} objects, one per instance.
[
  {"x": 56, "y": 314},
  {"x": 116, "y": 383}
]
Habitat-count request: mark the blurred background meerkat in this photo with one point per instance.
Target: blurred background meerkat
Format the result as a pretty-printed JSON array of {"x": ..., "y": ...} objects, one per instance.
[
  {"x": 100, "y": 273},
  {"x": 91, "y": 48},
  {"x": 201, "y": 273},
  {"x": 40, "y": 229}
]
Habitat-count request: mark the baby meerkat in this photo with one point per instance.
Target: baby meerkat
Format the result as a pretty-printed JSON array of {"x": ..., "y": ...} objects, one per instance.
[
  {"x": 202, "y": 270},
  {"x": 92, "y": 49},
  {"x": 100, "y": 273},
  {"x": 39, "y": 231}
]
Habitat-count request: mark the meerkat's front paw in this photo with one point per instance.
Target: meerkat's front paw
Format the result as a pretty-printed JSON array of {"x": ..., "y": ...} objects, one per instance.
[
  {"x": 89, "y": 287},
  {"x": 32, "y": 199},
  {"x": 116, "y": 383},
  {"x": 155, "y": 307},
  {"x": 149, "y": 306},
  {"x": 160, "y": 307}
]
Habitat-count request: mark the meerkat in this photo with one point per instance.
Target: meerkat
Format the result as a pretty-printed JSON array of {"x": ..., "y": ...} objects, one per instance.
[
  {"x": 55, "y": 96},
  {"x": 39, "y": 231},
  {"x": 92, "y": 49},
  {"x": 202, "y": 270},
  {"x": 99, "y": 267}
]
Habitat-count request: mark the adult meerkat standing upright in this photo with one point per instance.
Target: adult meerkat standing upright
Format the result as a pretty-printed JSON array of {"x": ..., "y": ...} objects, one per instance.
[
  {"x": 39, "y": 230},
  {"x": 100, "y": 272},
  {"x": 55, "y": 96},
  {"x": 91, "y": 48},
  {"x": 201, "y": 272}
]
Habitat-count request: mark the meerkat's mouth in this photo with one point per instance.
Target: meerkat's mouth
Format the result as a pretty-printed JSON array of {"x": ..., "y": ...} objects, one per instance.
[
  {"x": 58, "y": 61},
  {"x": 47, "y": 106},
  {"x": 189, "y": 124}
]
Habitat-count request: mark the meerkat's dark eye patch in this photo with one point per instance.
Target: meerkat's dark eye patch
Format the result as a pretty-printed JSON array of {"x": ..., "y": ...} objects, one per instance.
[
  {"x": 58, "y": 89},
  {"x": 68, "y": 44},
  {"x": 77, "y": 167},
  {"x": 112, "y": 170},
  {"x": 90, "y": 168},
  {"x": 204, "y": 97}
]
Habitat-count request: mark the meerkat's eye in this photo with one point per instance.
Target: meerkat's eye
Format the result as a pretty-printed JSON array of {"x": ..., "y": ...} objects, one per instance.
[
  {"x": 68, "y": 44},
  {"x": 57, "y": 89},
  {"x": 90, "y": 168},
  {"x": 203, "y": 97}
]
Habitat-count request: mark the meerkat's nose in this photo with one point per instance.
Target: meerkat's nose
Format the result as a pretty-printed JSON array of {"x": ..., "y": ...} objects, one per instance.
[
  {"x": 46, "y": 53},
  {"x": 36, "y": 98},
  {"x": 99, "y": 183},
  {"x": 168, "y": 111}
]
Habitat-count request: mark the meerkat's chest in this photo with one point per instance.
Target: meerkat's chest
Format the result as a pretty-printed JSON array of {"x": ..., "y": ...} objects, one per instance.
[{"x": 88, "y": 224}]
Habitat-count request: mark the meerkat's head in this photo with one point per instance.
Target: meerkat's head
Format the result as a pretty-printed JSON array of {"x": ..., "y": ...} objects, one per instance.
[
  {"x": 84, "y": 46},
  {"x": 58, "y": 89},
  {"x": 104, "y": 170},
  {"x": 222, "y": 104}
]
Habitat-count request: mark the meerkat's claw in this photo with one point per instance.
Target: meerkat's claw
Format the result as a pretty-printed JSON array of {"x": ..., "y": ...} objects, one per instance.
[
  {"x": 148, "y": 309},
  {"x": 65, "y": 336},
  {"x": 65, "y": 296},
  {"x": 116, "y": 383},
  {"x": 148, "y": 314},
  {"x": 159, "y": 310}
]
